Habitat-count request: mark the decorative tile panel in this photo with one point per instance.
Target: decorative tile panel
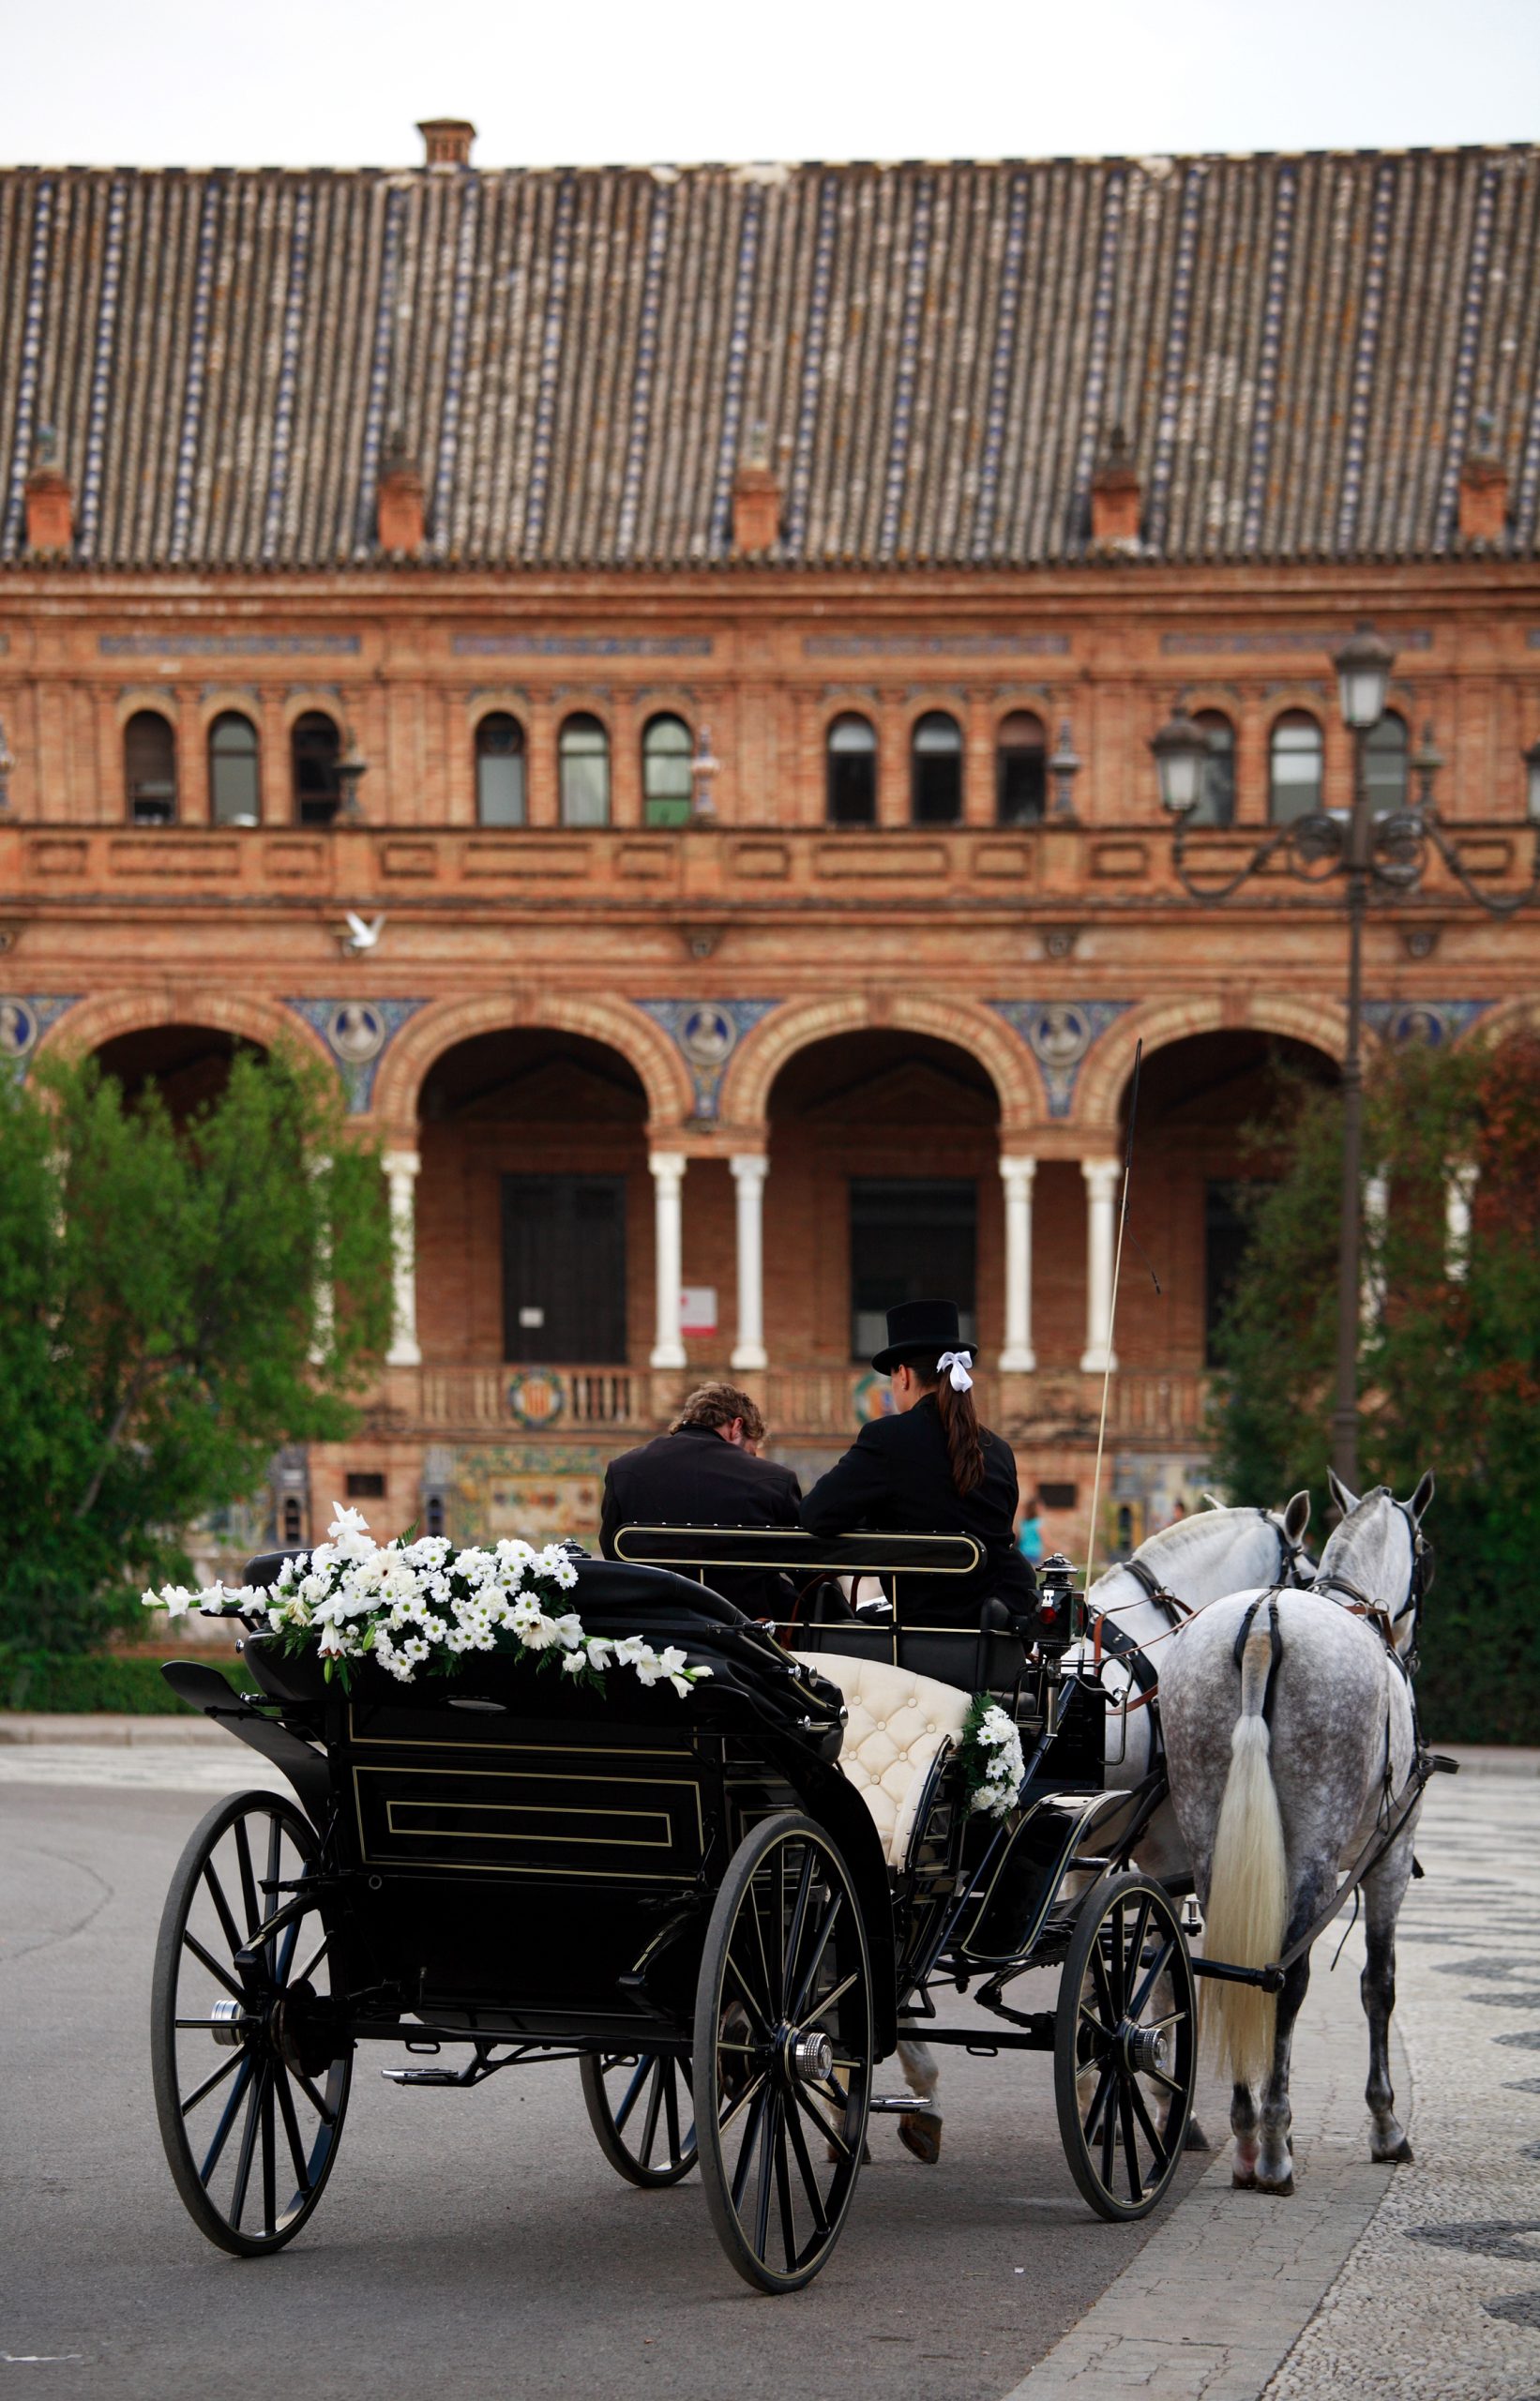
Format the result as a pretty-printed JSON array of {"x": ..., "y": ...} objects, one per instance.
[
  {"x": 1060, "y": 1035},
  {"x": 706, "y": 1033},
  {"x": 357, "y": 1033}
]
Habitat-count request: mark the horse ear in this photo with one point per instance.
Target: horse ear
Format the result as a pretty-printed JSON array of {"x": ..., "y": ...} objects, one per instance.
[
  {"x": 1347, "y": 1502},
  {"x": 1211, "y": 1500},
  {"x": 1422, "y": 1495},
  {"x": 1296, "y": 1517}
]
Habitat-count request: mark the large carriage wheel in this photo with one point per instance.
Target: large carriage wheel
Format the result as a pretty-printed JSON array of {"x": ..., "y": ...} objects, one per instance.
[
  {"x": 783, "y": 2050},
  {"x": 250, "y": 2078},
  {"x": 1125, "y": 2052},
  {"x": 643, "y": 2110}
]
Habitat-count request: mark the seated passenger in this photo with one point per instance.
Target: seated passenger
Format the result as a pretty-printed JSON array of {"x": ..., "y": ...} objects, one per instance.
[
  {"x": 931, "y": 1468},
  {"x": 706, "y": 1470}
]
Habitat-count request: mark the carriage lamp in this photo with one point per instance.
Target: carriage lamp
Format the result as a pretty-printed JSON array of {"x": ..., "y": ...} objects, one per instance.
[
  {"x": 1362, "y": 667},
  {"x": 1181, "y": 756},
  {"x": 1064, "y": 765},
  {"x": 1532, "y": 775},
  {"x": 7, "y": 762},
  {"x": 351, "y": 770}
]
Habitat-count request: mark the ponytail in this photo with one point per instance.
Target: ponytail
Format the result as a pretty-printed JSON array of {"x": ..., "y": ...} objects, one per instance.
[{"x": 959, "y": 1422}]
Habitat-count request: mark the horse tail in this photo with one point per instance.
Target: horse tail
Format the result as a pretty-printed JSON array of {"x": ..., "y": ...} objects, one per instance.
[{"x": 1248, "y": 1887}]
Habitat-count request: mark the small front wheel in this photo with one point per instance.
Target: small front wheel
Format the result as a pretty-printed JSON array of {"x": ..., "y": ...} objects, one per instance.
[
  {"x": 251, "y": 2065},
  {"x": 642, "y": 2111},
  {"x": 1124, "y": 2050},
  {"x": 783, "y": 2052}
]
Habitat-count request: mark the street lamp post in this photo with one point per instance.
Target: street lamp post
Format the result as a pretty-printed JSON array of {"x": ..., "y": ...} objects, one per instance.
[{"x": 1370, "y": 855}]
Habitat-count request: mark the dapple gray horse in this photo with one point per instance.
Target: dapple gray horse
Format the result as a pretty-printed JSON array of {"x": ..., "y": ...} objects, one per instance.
[
  {"x": 1197, "y": 1562},
  {"x": 1291, "y": 1739}
]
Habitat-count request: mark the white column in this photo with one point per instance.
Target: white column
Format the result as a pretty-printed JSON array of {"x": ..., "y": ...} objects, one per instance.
[
  {"x": 324, "y": 1299},
  {"x": 668, "y": 1168},
  {"x": 1376, "y": 1208},
  {"x": 1018, "y": 1356},
  {"x": 749, "y": 1170},
  {"x": 1101, "y": 1200},
  {"x": 402, "y": 1169},
  {"x": 1458, "y": 1194}
]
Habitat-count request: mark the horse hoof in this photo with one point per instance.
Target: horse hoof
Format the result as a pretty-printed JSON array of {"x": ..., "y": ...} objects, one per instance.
[
  {"x": 1278, "y": 2192},
  {"x": 1400, "y": 2157},
  {"x": 1242, "y": 2179},
  {"x": 1195, "y": 2139},
  {"x": 920, "y": 2134}
]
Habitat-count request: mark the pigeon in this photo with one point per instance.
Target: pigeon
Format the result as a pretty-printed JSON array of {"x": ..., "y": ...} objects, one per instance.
[{"x": 359, "y": 936}]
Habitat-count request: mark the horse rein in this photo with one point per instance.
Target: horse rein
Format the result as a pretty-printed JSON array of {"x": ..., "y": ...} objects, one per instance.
[
  {"x": 1121, "y": 1646},
  {"x": 1379, "y": 1613}
]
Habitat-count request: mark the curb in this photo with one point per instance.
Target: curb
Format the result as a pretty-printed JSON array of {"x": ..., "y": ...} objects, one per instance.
[{"x": 147, "y": 1732}]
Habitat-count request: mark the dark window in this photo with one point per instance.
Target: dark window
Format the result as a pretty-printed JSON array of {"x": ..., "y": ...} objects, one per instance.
[
  {"x": 1059, "y": 1496},
  {"x": 234, "y": 789},
  {"x": 365, "y": 1484},
  {"x": 1227, "y": 1236},
  {"x": 433, "y": 1514},
  {"x": 500, "y": 770},
  {"x": 564, "y": 1269},
  {"x": 1384, "y": 764},
  {"x": 667, "y": 774},
  {"x": 852, "y": 772},
  {"x": 1294, "y": 768},
  {"x": 936, "y": 769},
  {"x": 1021, "y": 769},
  {"x": 149, "y": 768},
  {"x": 584, "y": 749},
  {"x": 317, "y": 748},
  {"x": 293, "y": 1523},
  {"x": 1216, "y": 801},
  {"x": 912, "y": 1237}
]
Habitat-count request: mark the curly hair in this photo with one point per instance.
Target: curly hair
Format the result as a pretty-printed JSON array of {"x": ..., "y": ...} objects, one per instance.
[{"x": 719, "y": 1405}]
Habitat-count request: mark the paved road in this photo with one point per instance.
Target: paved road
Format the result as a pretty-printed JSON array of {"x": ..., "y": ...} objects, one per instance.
[{"x": 472, "y": 2244}]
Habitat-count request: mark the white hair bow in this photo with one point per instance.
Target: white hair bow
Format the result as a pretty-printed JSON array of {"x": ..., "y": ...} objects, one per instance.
[{"x": 959, "y": 1362}]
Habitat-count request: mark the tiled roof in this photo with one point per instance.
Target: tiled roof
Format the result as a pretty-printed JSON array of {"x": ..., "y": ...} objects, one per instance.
[{"x": 1301, "y": 349}]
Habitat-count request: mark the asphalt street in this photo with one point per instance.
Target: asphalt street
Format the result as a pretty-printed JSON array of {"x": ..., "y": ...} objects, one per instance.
[{"x": 470, "y": 2243}]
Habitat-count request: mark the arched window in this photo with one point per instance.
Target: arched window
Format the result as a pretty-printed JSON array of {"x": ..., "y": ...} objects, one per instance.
[
  {"x": 667, "y": 775},
  {"x": 1384, "y": 764},
  {"x": 1216, "y": 801},
  {"x": 500, "y": 770},
  {"x": 851, "y": 762},
  {"x": 293, "y": 1526},
  {"x": 235, "y": 787},
  {"x": 1020, "y": 769},
  {"x": 149, "y": 768},
  {"x": 1294, "y": 768},
  {"x": 584, "y": 749},
  {"x": 935, "y": 759},
  {"x": 316, "y": 749}
]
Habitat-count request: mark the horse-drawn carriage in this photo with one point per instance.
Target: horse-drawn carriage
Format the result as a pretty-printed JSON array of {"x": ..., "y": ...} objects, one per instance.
[{"x": 727, "y": 1899}]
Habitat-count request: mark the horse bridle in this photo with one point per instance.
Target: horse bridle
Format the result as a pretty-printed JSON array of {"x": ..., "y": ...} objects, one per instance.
[
  {"x": 1380, "y": 1613},
  {"x": 1290, "y": 1551}
]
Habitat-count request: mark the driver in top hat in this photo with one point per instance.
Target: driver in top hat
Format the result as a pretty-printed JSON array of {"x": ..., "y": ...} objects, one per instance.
[{"x": 931, "y": 1468}]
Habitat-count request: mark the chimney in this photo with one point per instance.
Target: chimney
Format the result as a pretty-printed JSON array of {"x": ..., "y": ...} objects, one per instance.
[
  {"x": 756, "y": 501},
  {"x": 447, "y": 141},
  {"x": 49, "y": 503},
  {"x": 1483, "y": 489},
  {"x": 400, "y": 502},
  {"x": 1115, "y": 493}
]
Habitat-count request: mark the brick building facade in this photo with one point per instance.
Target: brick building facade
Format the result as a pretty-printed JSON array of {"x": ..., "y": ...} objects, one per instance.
[{"x": 707, "y": 628}]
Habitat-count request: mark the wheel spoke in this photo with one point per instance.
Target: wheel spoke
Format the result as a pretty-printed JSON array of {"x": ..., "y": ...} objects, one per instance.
[
  {"x": 1115, "y": 1958},
  {"x": 799, "y": 1917},
  {"x": 249, "y": 1882},
  {"x": 629, "y": 2103},
  {"x": 804, "y": 2103},
  {"x": 806, "y": 2169},
  {"x": 1136, "y": 2005},
  {"x": 829, "y": 2000},
  {"x": 1125, "y": 2114},
  {"x": 269, "y": 2164},
  {"x": 314, "y": 1961},
  {"x": 758, "y": 2003},
  {"x": 1092, "y": 2117},
  {"x": 1109, "y": 2135},
  {"x": 1090, "y": 2018},
  {"x": 1133, "y": 1955},
  {"x": 1158, "y": 2076},
  {"x": 655, "y": 2101},
  {"x": 750, "y": 2140},
  {"x": 211, "y": 2082},
  {"x": 222, "y": 2131},
  {"x": 783, "y": 2186},
  {"x": 209, "y": 1961},
  {"x": 741, "y": 2101},
  {"x": 275, "y": 1856},
  {"x": 1103, "y": 1982},
  {"x": 769, "y": 2129},
  {"x": 1143, "y": 2114},
  {"x": 671, "y": 2105},
  {"x": 291, "y": 2129},
  {"x": 227, "y": 1923},
  {"x": 327, "y": 2116},
  {"x": 248, "y": 2144},
  {"x": 819, "y": 1946}
]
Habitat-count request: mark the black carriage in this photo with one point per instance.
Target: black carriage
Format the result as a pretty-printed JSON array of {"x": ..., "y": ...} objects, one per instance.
[{"x": 727, "y": 1928}]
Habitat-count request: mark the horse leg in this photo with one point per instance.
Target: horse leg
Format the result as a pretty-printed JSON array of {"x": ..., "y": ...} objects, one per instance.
[
  {"x": 1384, "y": 1889},
  {"x": 1275, "y": 2157},
  {"x": 1243, "y": 2125},
  {"x": 919, "y": 2130}
]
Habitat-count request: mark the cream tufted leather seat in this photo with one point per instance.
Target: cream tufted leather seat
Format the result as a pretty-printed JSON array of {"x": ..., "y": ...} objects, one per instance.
[{"x": 896, "y": 1724}]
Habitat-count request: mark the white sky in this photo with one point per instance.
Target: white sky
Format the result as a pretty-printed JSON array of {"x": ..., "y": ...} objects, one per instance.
[{"x": 309, "y": 82}]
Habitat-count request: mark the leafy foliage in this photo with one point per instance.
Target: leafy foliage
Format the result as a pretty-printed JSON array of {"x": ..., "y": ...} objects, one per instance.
[
  {"x": 1449, "y": 1357},
  {"x": 159, "y": 1328}
]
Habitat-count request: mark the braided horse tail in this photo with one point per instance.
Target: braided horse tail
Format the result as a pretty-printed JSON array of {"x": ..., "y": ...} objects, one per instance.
[{"x": 1248, "y": 1887}]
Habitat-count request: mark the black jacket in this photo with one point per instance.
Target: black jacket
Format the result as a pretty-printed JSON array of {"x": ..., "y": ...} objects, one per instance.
[
  {"x": 693, "y": 1478},
  {"x": 897, "y": 1478}
]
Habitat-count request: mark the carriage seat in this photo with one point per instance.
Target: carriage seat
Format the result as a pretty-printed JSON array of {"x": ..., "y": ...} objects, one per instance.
[{"x": 895, "y": 1724}]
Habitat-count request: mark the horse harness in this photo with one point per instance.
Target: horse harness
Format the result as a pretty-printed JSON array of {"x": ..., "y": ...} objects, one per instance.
[{"x": 1109, "y": 1637}]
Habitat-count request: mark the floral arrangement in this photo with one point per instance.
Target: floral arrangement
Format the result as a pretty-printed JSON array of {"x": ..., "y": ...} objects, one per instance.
[
  {"x": 409, "y": 1604},
  {"x": 992, "y": 1765}
]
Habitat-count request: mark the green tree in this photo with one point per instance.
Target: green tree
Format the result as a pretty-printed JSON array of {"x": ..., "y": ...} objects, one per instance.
[
  {"x": 159, "y": 1328},
  {"x": 1449, "y": 1354}
]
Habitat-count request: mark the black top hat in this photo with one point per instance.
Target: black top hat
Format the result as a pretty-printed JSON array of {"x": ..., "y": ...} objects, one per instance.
[{"x": 915, "y": 1327}]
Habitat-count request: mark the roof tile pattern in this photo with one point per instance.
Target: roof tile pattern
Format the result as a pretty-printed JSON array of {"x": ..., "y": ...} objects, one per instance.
[{"x": 930, "y": 356}]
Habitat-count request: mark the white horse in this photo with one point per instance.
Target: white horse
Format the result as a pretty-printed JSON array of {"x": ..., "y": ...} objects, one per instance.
[
  {"x": 1183, "y": 1568},
  {"x": 1291, "y": 1743}
]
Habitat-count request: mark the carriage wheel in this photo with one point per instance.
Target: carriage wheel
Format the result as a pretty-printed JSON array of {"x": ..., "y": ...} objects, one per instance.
[
  {"x": 643, "y": 2110},
  {"x": 783, "y": 2051},
  {"x": 1124, "y": 2045},
  {"x": 250, "y": 2080}
]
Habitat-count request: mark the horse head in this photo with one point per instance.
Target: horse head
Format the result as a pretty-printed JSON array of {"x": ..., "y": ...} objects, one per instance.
[{"x": 1377, "y": 1558}]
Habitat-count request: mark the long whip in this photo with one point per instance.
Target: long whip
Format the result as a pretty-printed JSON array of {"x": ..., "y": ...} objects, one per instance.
[{"x": 1112, "y": 1313}]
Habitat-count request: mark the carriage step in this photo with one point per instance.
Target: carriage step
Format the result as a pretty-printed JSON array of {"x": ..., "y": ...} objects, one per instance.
[
  {"x": 907, "y": 2104},
  {"x": 475, "y": 2074}
]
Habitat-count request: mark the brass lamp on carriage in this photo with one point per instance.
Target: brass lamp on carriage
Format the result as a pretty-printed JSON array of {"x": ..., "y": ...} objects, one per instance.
[{"x": 1370, "y": 853}]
